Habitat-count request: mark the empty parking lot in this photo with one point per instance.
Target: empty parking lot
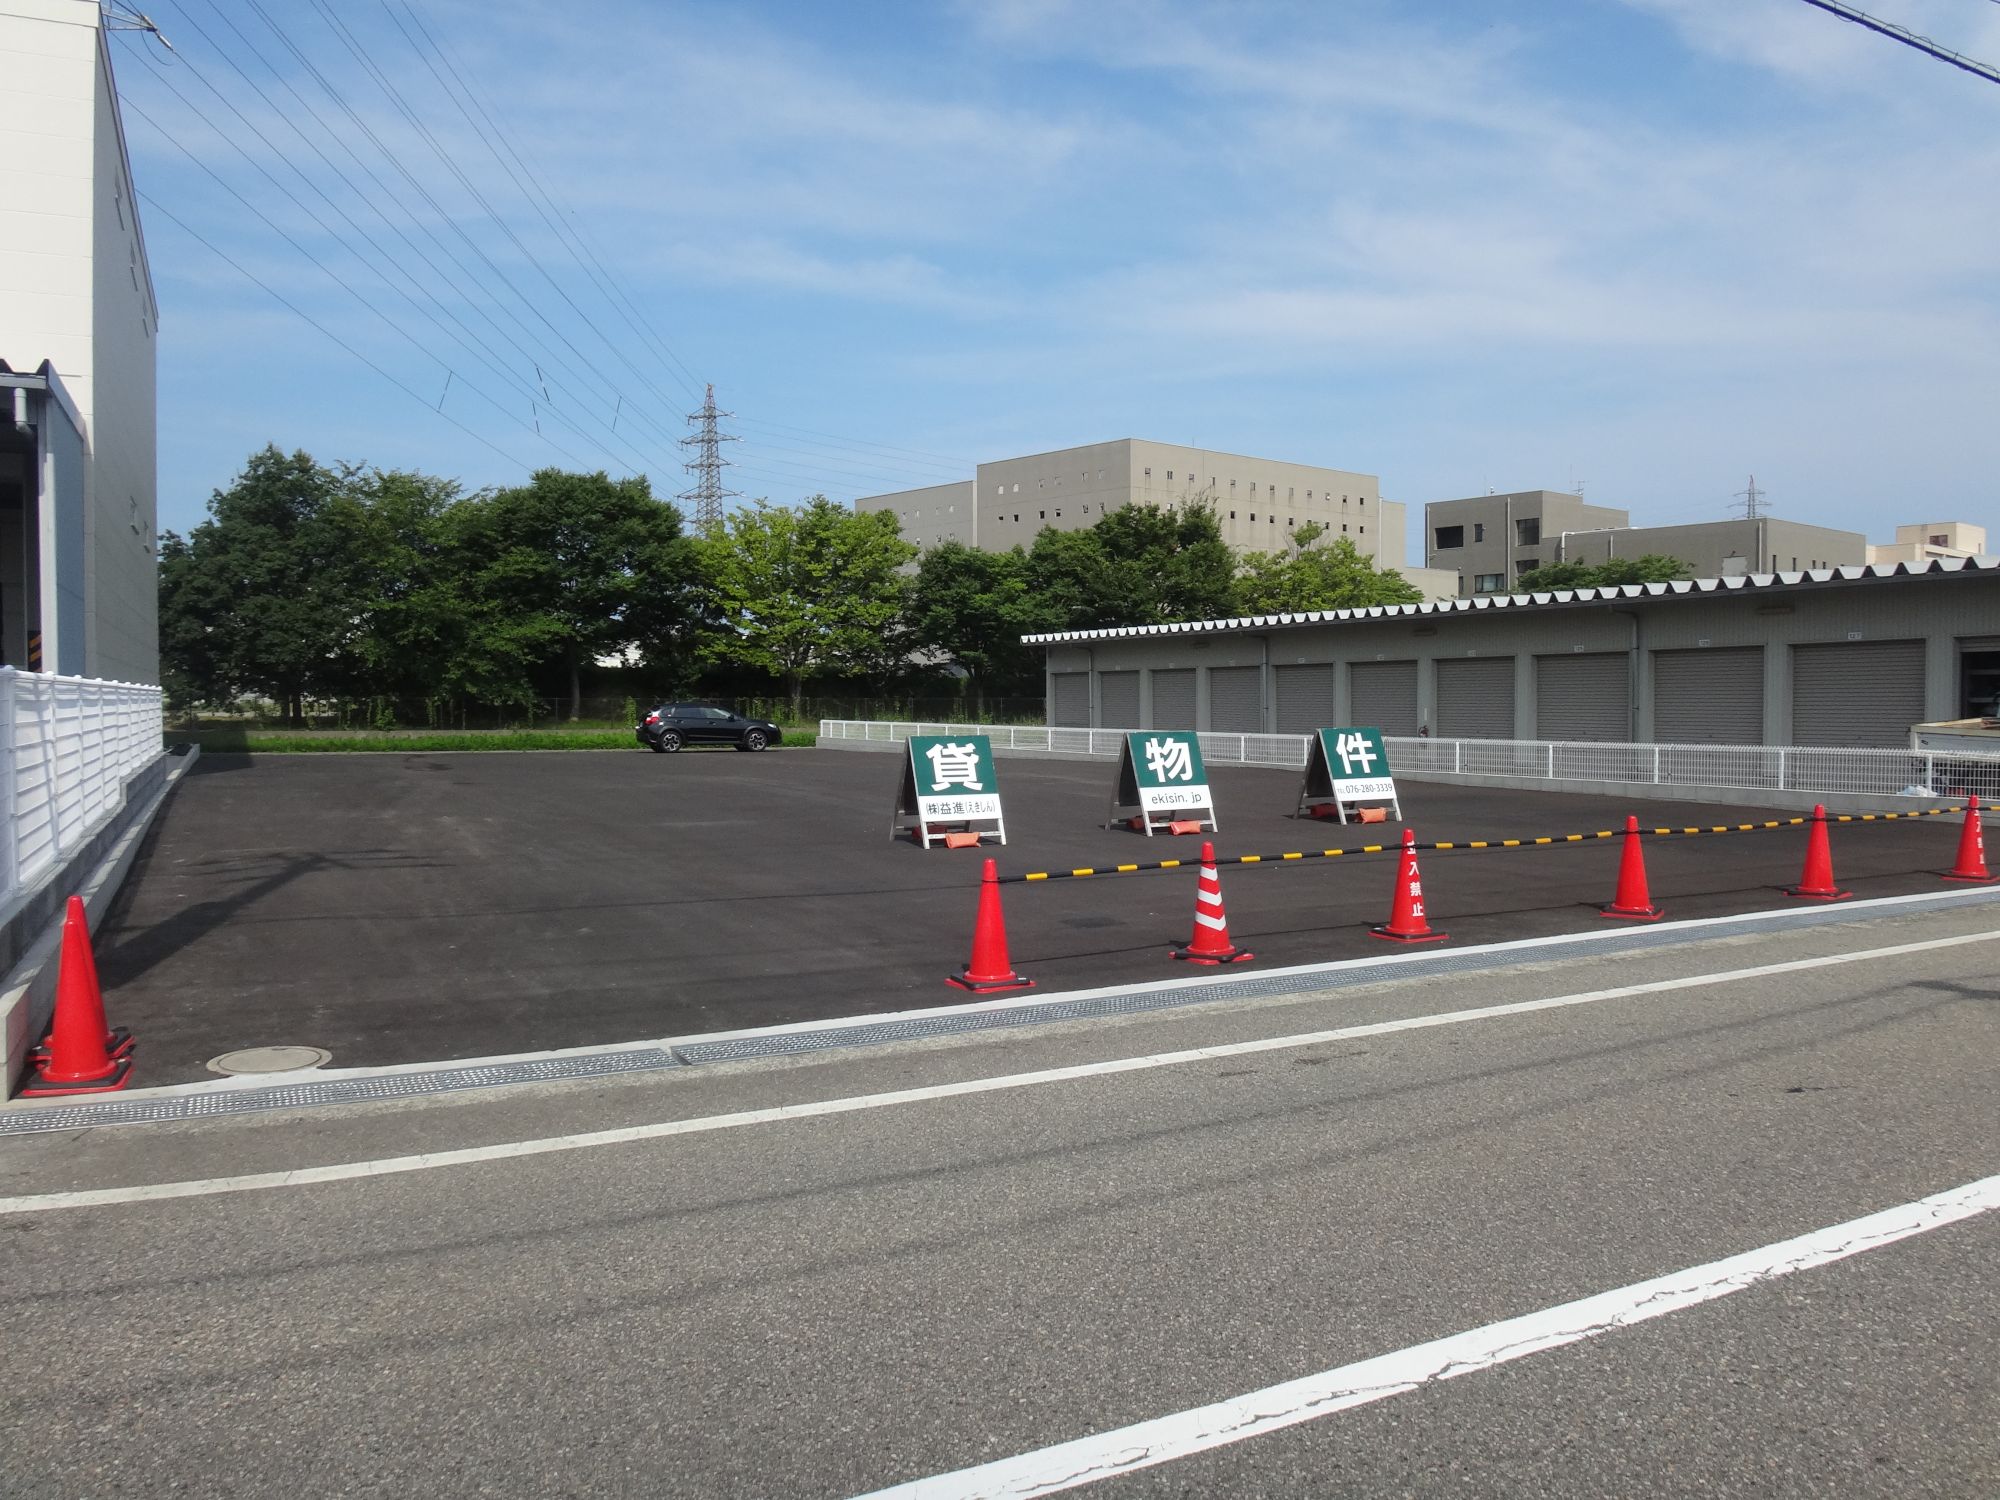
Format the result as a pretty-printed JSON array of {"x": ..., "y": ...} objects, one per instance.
[{"x": 423, "y": 907}]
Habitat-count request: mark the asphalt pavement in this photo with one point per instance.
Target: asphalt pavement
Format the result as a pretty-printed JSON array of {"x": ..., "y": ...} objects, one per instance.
[
  {"x": 397, "y": 909},
  {"x": 859, "y": 1269}
]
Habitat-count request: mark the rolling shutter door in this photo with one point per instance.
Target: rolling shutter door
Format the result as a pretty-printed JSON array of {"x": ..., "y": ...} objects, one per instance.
[
  {"x": 1072, "y": 702},
  {"x": 1173, "y": 700},
  {"x": 1305, "y": 698},
  {"x": 1584, "y": 697},
  {"x": 1709, "y": 697},
  {"x": 1118, "y": 699},
  {"x": 1236, "y": 699},
  {"x": 1864, "y": 693},
  {"x": 1476, "y": 699},
  {"x": 1385, "y": 696}
]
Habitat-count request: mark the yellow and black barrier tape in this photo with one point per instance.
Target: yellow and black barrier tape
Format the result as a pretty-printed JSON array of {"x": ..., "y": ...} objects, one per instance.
[{"x": 1454, "y": 844}]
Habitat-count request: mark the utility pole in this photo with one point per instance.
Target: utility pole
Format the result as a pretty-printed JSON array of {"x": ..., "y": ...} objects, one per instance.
[
  {"x": 1753, "y": 501},
  {"x": 707, "y": 464}
]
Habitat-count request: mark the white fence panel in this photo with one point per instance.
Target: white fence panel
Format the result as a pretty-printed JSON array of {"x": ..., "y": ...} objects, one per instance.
[
  {"x": 1884, "y": 773},
  {"x": 68, "y": 745}
]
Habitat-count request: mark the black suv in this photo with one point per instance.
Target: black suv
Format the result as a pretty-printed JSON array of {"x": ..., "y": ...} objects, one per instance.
[{"x": 673, "y": 725}]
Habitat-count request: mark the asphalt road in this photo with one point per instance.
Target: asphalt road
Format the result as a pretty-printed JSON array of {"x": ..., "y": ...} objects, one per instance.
[
  {"x": 424, "y": 907},
  {"x": 823, "y": 1305}
]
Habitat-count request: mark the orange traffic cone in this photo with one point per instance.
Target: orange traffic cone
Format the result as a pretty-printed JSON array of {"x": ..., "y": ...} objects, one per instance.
[
  {"x": 82, "y": 1054},
  {"x": 1407, "y": 923},
  {"x": 1816, "y": 883},
  {"x": 989, "y": 969},
  {"x": 1971, "y": 848},
  {"x": 1210, "y": 943},
  {"x": 1634, "y": 902}
]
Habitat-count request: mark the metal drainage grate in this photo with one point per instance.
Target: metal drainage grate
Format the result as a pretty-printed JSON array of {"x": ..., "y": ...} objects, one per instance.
[{"x": 28, "y": 1121}]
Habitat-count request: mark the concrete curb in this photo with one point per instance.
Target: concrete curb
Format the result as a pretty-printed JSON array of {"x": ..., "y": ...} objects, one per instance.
[{"x": 34, "y": 934}]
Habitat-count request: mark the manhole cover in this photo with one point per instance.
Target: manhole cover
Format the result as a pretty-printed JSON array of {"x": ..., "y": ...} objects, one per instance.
[{"x": 269, "y": 1060}]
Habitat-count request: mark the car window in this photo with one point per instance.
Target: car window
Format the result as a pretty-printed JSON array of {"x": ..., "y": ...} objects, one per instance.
[{"x": 715, "y": 713}]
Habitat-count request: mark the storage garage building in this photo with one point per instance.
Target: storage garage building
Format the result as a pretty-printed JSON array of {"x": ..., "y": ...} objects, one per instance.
[{"x": 1849, "y": 656}]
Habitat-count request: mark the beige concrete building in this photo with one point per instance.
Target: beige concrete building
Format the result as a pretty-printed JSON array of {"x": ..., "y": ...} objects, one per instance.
[
  {"x": 1930, "y": 539},
  {"x": 78, "y": 329},
  {"x": 1488, "y": 541},
  {"x": 1260, "y": 503},
  {"x": 1723, "y": 549}
]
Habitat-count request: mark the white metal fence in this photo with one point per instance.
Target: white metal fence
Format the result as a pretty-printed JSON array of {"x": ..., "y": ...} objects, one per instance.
[
  {"x": 68, "y": 745},
  {"x": 1748, "y": 767}
]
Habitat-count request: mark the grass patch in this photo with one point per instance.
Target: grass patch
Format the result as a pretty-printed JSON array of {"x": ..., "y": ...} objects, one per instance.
[{"x": 238, "y": 740}]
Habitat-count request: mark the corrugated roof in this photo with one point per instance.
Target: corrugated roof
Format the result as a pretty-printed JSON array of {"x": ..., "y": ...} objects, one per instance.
[{"x": 1691, "y": 587}]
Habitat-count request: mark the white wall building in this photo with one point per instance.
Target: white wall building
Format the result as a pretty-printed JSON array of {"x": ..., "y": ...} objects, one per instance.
[{"x": 78, "y": 330}]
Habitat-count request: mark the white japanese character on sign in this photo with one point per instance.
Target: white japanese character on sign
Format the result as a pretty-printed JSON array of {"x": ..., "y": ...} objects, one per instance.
[
  {"x": 955, "y": 765},
  {"x": 1354, "y": 751},
  {"x": 1170, "y": 760}
]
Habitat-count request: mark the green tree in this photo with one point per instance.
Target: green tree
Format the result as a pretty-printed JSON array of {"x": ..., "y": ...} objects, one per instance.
[
  {"x": 974, "y": 607},
  {"x": 1317, "y": 574},
  {"x": 562, "y": 570},
  {"x": 1654, "y": 567},
  {"x": 1139, "y": 565},
  {"x": 802, "y": 591},
  {"x": 265, "y": 595}
]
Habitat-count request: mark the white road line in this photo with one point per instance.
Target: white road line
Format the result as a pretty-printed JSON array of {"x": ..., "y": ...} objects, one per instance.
[
  {"x": 1067, "y": 1466},
  {"x": 705, "y": 1124}
]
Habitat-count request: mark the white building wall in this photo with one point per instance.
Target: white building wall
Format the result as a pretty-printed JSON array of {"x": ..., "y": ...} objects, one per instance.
[{"x": 76, "y": 290}]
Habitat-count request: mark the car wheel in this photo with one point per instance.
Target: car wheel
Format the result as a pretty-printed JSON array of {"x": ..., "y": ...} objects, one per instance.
[
  {"x": 755, "y": 739},
  {"x": 667, "y": 740}
]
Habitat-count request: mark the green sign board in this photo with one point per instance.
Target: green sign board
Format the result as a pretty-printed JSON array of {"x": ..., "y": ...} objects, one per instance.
[
  {"x": 1348, "y": 765},
  {"x": 1160, "y": 773},
  {"x": 949, "y": 779}
]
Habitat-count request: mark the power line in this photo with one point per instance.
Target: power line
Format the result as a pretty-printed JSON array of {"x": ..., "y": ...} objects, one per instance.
[
  {"x": 155, "y": 206},
  {"x": 1908, "y": 38},
  {"x": 492, "y": 362},
  {"x": 395, "y": 96},
  {"x": 493, "y": 358},
  {"x": 453, "y": 220},
  {"x": 573, "y": 238}
]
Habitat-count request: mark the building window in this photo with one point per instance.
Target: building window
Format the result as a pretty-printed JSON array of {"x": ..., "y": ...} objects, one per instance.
[
  {"x": 1940, "y": 540},
  {"x": 1232, "y": 484},
  {"x": 1170, "y": 476},
  {"x": 1528, "y": 532},
  {"x": 1526, "y": 565},
  {"x": 1253, "y": 515},
  {"x": 1361, "y": 531},
  {"x": 1232, "y": 515},
  {"x": 1479, "y": 531},
  {"x": 1058, "y": 515},
  {"x": 1361, "y": 500},
  {"x": 1017, "y": 518},
  {"x": 1448, "y": 537},
  {"x": 1291, "y": 493},
  {"x": 1487, "y": 583},
  {"x": 1291, "y": 520},
  {"x": 1149, "y": 473},
  {"x": 1044, "y": 515}
]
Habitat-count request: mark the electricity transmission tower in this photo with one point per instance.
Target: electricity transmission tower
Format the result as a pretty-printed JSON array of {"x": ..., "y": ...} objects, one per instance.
[
  {"x": 708, "y": 463},
  {"x": 1753, "y": 501}
]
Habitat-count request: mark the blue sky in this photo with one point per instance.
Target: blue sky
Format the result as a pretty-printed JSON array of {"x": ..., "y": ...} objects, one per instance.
[{"x": 1653, "y": 245}]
